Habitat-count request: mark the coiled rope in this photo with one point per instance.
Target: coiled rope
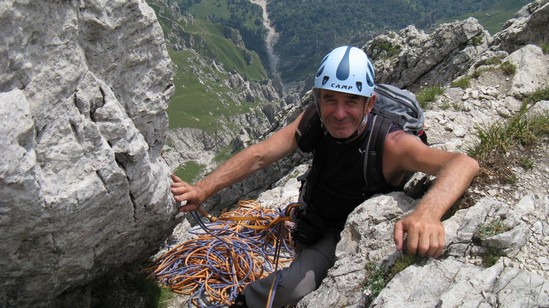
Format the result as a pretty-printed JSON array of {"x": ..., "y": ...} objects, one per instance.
[{"x": 226, "y": 254}]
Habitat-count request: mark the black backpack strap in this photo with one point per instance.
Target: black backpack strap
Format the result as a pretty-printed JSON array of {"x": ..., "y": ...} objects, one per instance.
[{"x": 373, "y": 153}]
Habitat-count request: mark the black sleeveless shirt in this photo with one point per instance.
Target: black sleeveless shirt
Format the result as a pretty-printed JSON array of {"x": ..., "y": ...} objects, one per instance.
[{"x": 335, "y": 183}]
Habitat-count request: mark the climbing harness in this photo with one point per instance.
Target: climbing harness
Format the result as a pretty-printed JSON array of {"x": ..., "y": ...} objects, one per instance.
[{"x": 226, "y": 253}]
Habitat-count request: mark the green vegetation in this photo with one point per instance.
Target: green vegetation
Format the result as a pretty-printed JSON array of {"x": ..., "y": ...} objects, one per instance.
[
  {"x": 526, "y": 163},
  {"x": 200, "y": 101},
  {"x": 462, "y": 82},
  {"x": 241, "y": 15},
  {"x": 479, "y": 71},
  {"x": 189, "y": 171},
  {"x": 484, "y": 231},
  {"x": 490, "y": 257},
  {"x": 477, "y": 40},
  {"x": 493, "y": 61},
  {"x": 203, "y": 94},
  {"x": 428, "y": 95},
  {"x": 492, "y": 16},
  {"x": 538, "y": 95},
  {"x": 375, "y": 278},
  {"x": 490, "y": 229},
  {"x": 403, "y": 262},
  {"x": 389, "y": 49},
  {"x": 231, "y": 33},
  {"x": 508, "y": 67},
  {"x": 500, "y": 138},
  {"x": 139, "y": 291},
  {"x": 545, "y": 48},
  {"x": 506, "y": 144},
  {"x": 157, "y": 295},
  {"x": 307, "y": 31}
]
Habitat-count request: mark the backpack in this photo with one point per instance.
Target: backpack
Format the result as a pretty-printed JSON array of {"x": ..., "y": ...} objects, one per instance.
[{"x": 393, "y": 105}]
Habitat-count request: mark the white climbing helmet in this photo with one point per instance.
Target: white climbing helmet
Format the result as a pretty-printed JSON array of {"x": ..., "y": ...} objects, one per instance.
[{"x": 346, "y": 69}]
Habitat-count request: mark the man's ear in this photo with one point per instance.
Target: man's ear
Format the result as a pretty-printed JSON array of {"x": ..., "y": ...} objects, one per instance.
[{"x": 370, "y": 103}]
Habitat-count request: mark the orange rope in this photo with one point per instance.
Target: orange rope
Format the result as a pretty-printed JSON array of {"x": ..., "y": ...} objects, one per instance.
[{"x": 237, "y": 248}]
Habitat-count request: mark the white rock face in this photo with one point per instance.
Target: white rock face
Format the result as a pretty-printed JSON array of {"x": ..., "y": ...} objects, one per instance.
[{"x": 84, "y": 87}]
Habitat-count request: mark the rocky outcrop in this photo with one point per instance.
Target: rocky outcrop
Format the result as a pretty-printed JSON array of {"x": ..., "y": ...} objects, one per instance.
[
  {"x": 412, "y": 58},
  {"x": 528, "y": 27},
  {"x": 84, "y": 89}
]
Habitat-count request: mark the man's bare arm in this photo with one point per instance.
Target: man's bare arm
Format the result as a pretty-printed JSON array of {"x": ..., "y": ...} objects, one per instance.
[
  {"x": 454, "y": 173},
  {"x": 249, "y": 160}
]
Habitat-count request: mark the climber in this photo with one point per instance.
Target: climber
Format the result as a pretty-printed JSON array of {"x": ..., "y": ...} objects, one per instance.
[{"x": 344, "y": 97}]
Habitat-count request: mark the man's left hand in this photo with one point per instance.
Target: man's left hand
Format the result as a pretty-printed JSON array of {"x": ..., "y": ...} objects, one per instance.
[{"x": 425, "y": 235}]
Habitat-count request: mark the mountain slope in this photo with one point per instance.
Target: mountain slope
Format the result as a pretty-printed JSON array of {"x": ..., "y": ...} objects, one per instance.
[
  {"x": 308, "y": 29},
  {"x": 207, "y": 56}
]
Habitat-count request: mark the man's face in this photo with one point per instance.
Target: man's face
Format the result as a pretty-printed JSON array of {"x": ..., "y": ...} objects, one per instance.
[{"x": 342, "y": 113}]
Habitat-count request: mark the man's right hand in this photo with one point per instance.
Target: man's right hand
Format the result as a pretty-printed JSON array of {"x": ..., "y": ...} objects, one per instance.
[{"x": 183, "y": 191}]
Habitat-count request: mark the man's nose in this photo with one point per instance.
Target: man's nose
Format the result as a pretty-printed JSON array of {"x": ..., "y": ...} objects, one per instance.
[{"x": 340, "y": 111}]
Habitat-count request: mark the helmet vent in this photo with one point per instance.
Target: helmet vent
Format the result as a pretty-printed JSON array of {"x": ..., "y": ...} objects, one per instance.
[{"x": 344, "y": 68}]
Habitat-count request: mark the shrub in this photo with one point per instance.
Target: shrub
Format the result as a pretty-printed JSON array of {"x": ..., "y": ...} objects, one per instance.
[
  {"x": 508, "y": 67},
  {"x": 490, "y": 229},
  {"x": 545, "y": 48},
  {"x": 479, "y": 71},
  {"x": 427, "y": 95},
  {"x": 462, "y": 82},
  {"x": 538, "y": 95},
  {"x": 493, "y": 61},
  {"x": 375, "y": 280}
]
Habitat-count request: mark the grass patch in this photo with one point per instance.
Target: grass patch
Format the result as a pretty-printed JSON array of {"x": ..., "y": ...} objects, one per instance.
[
  {"x": 155, "y": 294},
  {"x": 489, "y": 255},
  {"x": 502, "y": 146},
  {"x": 137, "y": 291},
  {"x": 526, "y": 163},
  {"x": 389, "y": 49},
  {"x": 539, "y": 95},
  {"x": 189, "y": 171},
  {"x": 404, "y": 261},
  {"x": 487, "y": 230},
  {"x": 428, "y": 95},
  {"x": 224, "y": 154},
  {"x": 493, "y": 61},
  {"x": 200, "y": 101},
  {"x": 508, "y": 68},
  {"x": 500, "y": 138},
  {"x": 545, "y": 48},
  {"x": 481, "y": 70},
  {"x": 375, "y": 278},
  {"x": 462, "y": 82}
]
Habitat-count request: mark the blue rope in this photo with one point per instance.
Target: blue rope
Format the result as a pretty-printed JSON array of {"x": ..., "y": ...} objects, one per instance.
[{"x": 231, "y": 254}]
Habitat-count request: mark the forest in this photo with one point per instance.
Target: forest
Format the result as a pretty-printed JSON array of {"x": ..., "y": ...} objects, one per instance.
[{"x": 310, "y": 28}]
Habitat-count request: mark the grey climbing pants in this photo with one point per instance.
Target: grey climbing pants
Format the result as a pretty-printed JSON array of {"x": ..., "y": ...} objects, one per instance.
[{"x": 303, "y": 276}]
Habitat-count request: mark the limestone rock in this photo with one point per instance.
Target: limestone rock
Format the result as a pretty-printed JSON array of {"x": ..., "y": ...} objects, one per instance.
[{"x": 83, "y": 93}]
